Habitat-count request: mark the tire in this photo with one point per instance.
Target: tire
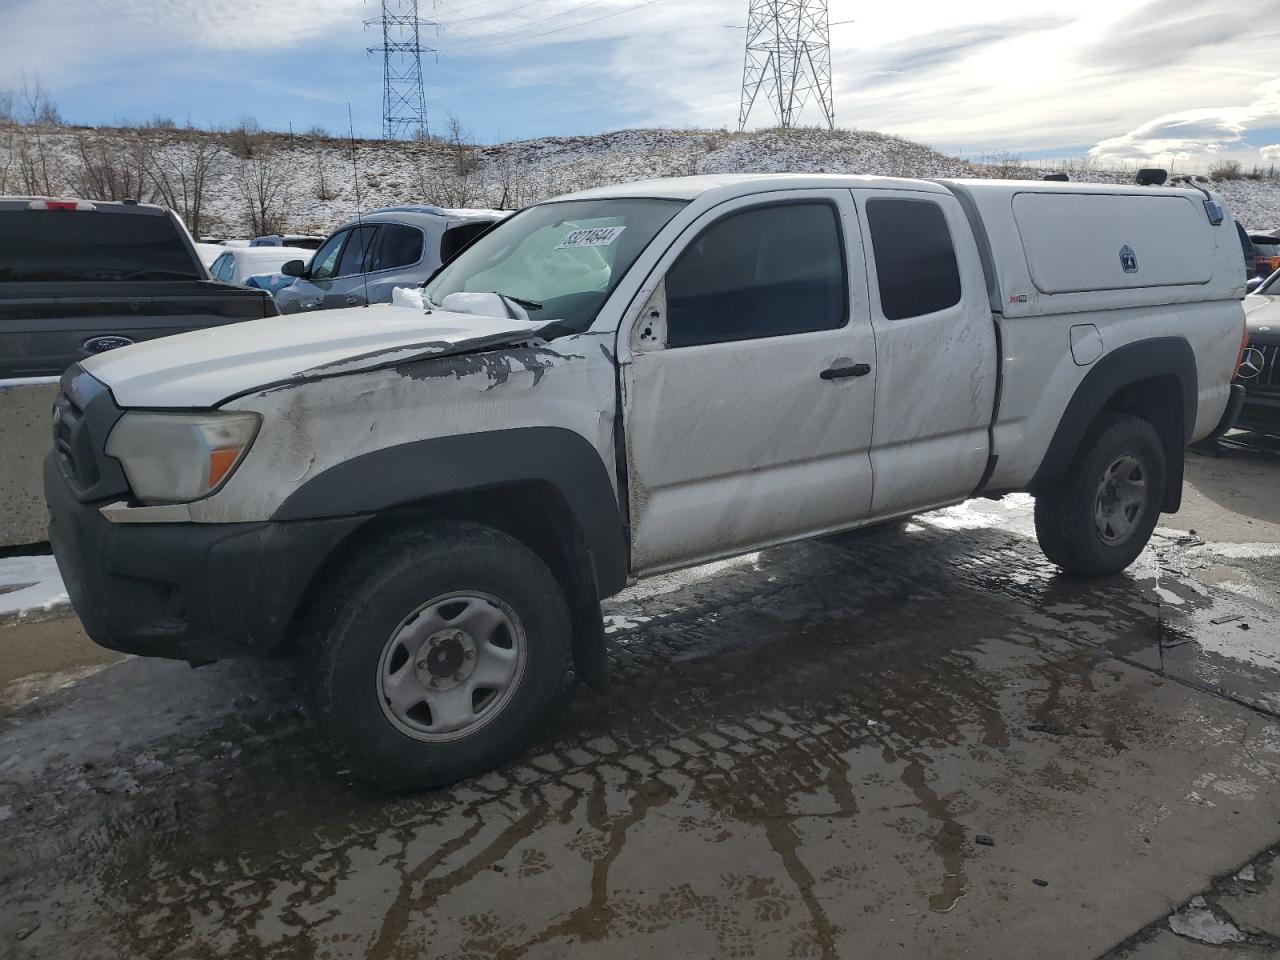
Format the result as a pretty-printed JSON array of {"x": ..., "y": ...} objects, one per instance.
[
  {"x": 1089, "y": 523},
  {"x": 398, "y": 597}
]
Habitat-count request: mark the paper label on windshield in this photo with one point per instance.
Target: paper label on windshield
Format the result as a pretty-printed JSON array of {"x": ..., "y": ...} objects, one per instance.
[{"x": 595, "y": 237}]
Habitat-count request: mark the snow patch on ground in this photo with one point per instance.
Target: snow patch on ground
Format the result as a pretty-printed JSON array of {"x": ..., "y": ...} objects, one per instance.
[{"x": 30, "y": 584}]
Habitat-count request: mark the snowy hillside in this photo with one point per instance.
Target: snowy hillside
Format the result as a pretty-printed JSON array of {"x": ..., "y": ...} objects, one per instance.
[{"x": 254, "y": 182}]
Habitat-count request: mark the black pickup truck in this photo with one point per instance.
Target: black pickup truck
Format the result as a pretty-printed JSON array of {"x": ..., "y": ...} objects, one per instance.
[{"x": 79, "y": 277}]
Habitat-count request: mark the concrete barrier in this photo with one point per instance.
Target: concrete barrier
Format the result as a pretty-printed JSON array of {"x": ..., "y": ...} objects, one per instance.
[{"x": 26, "y": 424}]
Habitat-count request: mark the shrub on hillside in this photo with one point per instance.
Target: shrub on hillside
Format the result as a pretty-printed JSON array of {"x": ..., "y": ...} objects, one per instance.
[{"x": 1226, "y": 170}]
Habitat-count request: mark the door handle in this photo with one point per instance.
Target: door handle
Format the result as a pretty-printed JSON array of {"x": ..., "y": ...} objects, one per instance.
[
  {"x": 353, "y": 301},
  {"x": 839, "y": 373}
]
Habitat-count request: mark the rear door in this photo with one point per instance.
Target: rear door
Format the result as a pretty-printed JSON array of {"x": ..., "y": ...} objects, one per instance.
[
  {"x": 395, "y": 260},
  {"x": 935, "y": 349},
  {"x": 749, "y": 391}
]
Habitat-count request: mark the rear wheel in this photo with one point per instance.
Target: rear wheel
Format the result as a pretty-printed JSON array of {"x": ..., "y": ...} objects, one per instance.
[
  {"x": 1099, "y": 516},
  {"x": 437, "y": 654}
]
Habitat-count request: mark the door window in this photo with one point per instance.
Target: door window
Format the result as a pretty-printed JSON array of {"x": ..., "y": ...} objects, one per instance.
[
  {"x": 915, "y": 258},
  {"x": 222, "y": 268},
  {"x": 395, "y": 246},
  {"x": 765, "y": 272},
  {"x": 455, "y": 238},
  {"x": 352, "y": 261},
  {"x": 325, "y": 263}
]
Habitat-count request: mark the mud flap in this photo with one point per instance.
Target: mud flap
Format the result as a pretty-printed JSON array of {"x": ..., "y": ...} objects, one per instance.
[
  {"x": 1174, "y": 466},
  {"x": 589, "y": 660}
]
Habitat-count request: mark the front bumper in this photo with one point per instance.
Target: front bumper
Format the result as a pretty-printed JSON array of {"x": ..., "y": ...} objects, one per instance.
[
  {"x": 1260, "y": 414},
  {"x": 188, "y": 591}
]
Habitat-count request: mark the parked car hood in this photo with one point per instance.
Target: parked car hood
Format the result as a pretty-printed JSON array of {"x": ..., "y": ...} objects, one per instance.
[
  {"x": 1262, "y": 314},
  {"x": 205, "y": 367}
]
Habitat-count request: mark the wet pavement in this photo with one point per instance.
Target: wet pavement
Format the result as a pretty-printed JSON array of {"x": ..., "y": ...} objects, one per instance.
[{"x": 917, "y": 741}]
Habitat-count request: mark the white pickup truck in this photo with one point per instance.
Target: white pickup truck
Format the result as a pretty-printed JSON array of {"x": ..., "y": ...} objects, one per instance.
[{"x": 426, "y": 501}]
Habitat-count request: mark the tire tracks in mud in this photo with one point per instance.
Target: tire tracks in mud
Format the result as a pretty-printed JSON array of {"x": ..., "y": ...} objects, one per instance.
[{"x": 746, "y": 694}]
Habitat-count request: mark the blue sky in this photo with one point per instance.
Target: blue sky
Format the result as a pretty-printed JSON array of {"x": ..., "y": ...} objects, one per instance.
[{"x": 1182, "y": 82}]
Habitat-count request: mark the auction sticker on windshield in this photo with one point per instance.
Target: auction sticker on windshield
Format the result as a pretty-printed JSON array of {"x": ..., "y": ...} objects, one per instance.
[{"x": 595, "y": 237}]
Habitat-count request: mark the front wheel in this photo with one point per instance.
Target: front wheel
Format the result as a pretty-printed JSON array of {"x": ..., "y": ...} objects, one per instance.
[
  {"x": 437, "y": 654},
  {"x": 1099, "y": 516}
]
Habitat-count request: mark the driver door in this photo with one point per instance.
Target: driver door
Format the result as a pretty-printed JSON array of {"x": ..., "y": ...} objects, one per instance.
[
  {"x": 311, "y": 289},
  {"x": 347, "y": 288},
  {"x": 750, "y": 388}
]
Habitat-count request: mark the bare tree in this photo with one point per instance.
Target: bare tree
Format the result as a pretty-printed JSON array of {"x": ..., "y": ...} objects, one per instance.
[
  {"x": 1004, "y": 164},
  {"x": 112, "y": 168},
  {"x": 182, "y": 176},
  {"x": 461, "y": 149},
  {"x": 324, "y": 191},
  {"x": 37, "y": 172},
  {"x": 446, "y": 187},
  {"x": 35, "y": 105},
  {"x": 264, "y": 187},
  {"x": 247, "y": 138},
  {"x": 29, "y": 116},
  {"x": 510, "y": 189}
]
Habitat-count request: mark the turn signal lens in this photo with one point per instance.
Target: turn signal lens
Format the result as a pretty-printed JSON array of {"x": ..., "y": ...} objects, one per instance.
[
  {"x": 1244, "y": 344},
  {"x": 179, "y": 457}
]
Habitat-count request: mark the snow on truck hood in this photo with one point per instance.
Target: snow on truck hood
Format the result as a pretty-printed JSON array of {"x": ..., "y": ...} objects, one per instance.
[{"x": 205, "y": 367}]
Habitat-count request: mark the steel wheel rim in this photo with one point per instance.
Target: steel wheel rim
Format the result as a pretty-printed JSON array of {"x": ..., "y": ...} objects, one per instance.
[
  {"x": 1121, "y": 500},
  {"x": 451, "y": 666}
]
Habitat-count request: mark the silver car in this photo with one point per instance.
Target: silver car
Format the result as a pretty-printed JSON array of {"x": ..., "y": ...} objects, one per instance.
[{"x": 364, "y": 260}]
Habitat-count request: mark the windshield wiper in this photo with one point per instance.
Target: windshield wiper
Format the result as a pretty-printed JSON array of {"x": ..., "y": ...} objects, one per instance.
[{"x": 526, "y": 304}]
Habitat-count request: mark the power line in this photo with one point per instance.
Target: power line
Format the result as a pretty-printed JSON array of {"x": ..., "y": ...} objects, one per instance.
[
  {"x": 495, "y": 14},
  {"x": 477, "y": 6},
  {"x": 572, "y": 26},
  {"x": 522, "y": 26}
]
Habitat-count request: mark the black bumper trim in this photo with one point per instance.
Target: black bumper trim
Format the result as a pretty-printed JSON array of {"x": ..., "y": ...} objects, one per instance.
[
  {"x": 1231, "y": 413},
  {"x": 187, "y": 591}
]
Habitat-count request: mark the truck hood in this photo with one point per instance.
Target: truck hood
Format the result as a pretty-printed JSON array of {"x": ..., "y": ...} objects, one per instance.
[{"x": 206, "y": 367}]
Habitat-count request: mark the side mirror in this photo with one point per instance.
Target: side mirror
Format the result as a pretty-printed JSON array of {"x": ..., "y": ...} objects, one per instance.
[{"x": 294, "y": 268}]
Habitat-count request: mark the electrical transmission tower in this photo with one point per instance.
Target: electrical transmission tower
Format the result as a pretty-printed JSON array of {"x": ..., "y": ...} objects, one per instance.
[
  {"x": 404, "y": 105},
  {"x": 789, "y": 56}
]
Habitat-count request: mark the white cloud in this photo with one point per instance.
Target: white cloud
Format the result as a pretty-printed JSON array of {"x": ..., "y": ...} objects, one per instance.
[
  {"x": 1038, "y": 77},
  {"x": 1196, "y": 134},
  {"x": 58, "y": 38},
  {"x": 1271, "y": 152}
]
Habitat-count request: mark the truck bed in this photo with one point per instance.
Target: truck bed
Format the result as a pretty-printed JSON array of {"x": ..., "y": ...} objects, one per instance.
[{"x": 46, "y": 327}]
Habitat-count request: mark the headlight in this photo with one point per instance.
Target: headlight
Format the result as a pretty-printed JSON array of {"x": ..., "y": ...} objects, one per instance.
[{"x": 176, "y": 457}]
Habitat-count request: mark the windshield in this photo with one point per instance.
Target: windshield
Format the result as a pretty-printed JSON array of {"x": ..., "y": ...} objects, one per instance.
[{"x": 559, "y": 260}]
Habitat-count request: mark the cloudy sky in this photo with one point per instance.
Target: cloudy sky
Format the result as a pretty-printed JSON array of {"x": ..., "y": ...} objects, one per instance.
[{"x": 1183, "y": 82}]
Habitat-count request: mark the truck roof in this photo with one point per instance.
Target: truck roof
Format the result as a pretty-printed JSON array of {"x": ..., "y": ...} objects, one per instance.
[{"x": 739, "y": 184}]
